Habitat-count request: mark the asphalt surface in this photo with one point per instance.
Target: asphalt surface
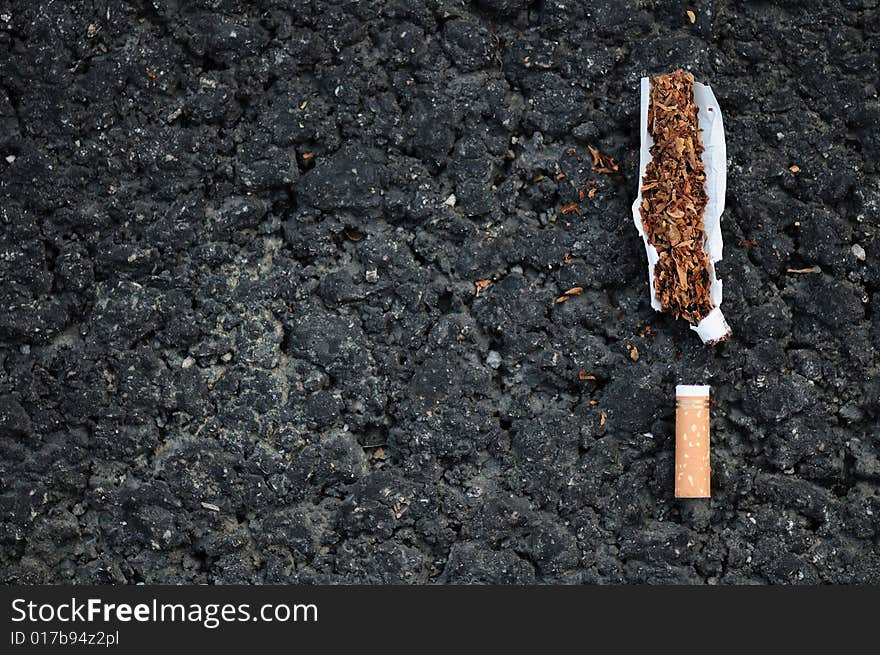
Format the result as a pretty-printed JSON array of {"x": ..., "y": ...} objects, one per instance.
[{"x": 279, "y": 282}]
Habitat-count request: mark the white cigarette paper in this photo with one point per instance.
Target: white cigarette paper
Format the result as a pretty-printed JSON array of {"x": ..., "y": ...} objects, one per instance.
[{"x": 713, "y": 327}]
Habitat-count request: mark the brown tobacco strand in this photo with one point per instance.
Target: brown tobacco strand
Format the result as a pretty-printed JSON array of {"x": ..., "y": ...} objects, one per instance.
[{"x": 674, "y": 198}]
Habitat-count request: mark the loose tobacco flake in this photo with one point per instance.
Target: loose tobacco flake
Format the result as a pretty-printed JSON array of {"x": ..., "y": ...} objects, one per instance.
[
  {"x": 603, "y": 164},
  {"x": 633, "y": 352}
]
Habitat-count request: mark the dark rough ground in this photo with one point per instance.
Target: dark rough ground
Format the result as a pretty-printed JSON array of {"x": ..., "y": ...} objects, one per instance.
[{"x": 240, "y": 339}]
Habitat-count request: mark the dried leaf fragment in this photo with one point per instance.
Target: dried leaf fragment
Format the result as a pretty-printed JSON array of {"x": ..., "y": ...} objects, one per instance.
[
  {"x": 574, "y": 291},
  {"x": 583, "y": 375},
  {"x": 481, "y": 285},
  {"x": 814, "y": 269},
  {"x": 692, "y": 17},
  {"x": 602, "y": 418},
  {"x": 570, "y": 207},
  {"x": 747, "y": 243},
  {"x": 794, "y": 168}
]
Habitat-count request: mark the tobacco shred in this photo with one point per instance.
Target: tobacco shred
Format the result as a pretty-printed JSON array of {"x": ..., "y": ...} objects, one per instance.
[
  {"x": 674, "y": 198},
  {"x": 602, "y": 163},
  {"x": 481, "y": 285}
]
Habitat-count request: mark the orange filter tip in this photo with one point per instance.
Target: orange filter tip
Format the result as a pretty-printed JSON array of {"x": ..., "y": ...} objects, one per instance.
[{"x": 693, "y": 470}]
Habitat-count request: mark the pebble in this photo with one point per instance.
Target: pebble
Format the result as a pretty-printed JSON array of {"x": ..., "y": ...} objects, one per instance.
[
  {"x": 859, "y": 252},
  {"x": 493, "y": 359}
]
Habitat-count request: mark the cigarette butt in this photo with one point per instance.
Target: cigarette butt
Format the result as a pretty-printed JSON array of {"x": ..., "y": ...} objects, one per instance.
[{"x": 692, "y": 462}]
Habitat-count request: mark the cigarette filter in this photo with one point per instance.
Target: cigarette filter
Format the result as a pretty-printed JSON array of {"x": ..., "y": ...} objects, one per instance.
[{"x": 692, "y": 463}]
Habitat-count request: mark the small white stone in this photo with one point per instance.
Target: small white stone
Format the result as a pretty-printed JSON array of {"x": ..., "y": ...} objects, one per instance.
[
  {"x": 493, "y": 359},
  {"x": 372, "y": 276},
  {"x": 780, "y": 136},
  {"x": 186, "y": 363},
  {"x": 859, "y": 252},
  {"x": 226, "y": 357},
  {"x": 451, "y": 200},
  {"x": 10, "y": 158}
]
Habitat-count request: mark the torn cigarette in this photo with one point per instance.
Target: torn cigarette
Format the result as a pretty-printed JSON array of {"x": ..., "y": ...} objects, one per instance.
[
  {"x": 692, "y": 461},
  {"x": 682, "y": 184}
]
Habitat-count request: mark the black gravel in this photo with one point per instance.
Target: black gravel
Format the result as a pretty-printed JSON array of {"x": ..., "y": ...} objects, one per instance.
[{"x": 241, "y": 339}]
